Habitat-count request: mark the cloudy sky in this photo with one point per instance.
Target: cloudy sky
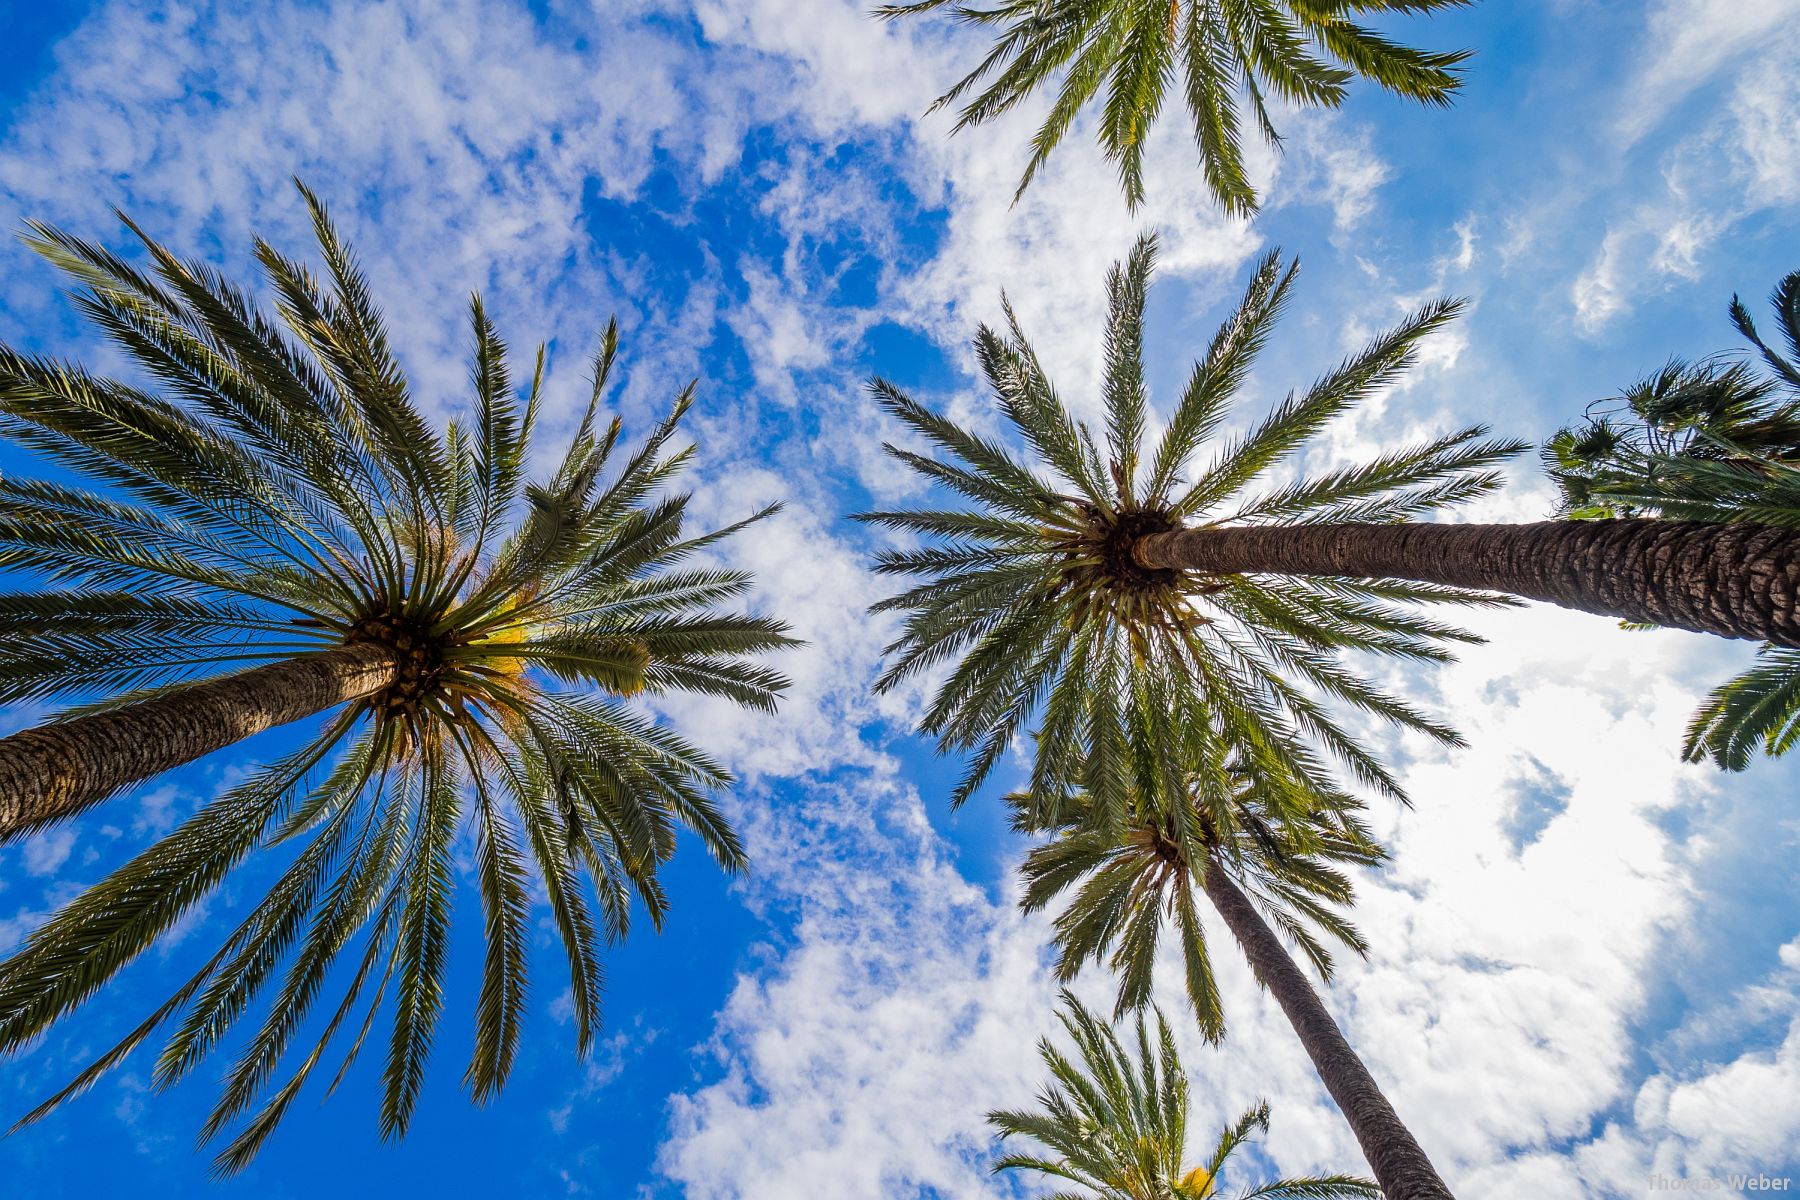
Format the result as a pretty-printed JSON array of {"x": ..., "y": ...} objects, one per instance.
[{"x": 1585, "y": 956}]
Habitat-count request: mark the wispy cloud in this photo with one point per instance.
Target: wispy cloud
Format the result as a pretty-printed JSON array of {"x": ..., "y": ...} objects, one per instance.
[
  {"x": 46, "y": 852},
  {"x": 1715, "y": 172},
  {"x": 1688, "y": 42}
]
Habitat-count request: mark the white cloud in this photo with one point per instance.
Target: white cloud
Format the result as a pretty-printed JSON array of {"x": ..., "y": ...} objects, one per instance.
[
  {"x": 1337, "y": 166},
  {"x": 1467, "y": 237},
  {"x": 1738, "y": 161},
  {"x": 907, "y": 1004},
  {"x": 24, "y": 921},
  {"x": 811, "y": 577},
  {"x": 1661, "y": 245},
  {"x": 158, "y": 810},
  {"x": 1051, "y": 249},
  {"x": 1690, "y": 41},
  {"x": 1734, "y": 1115},
  {"x": 483, "y": 147},
  {"x": 16, "y": 928},
  {"x": 49, "y": 850},
  {"x": 612, "y": 1055},
  {"x": 781, "y": 332},
  {"x": 1765, "y": 107}
]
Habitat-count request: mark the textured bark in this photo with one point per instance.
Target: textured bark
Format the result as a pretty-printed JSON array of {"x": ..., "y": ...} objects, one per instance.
[
  {"x": 1400, "y": 1165},
  {"x": 1736, "y": 581},
  {"x": 56, "y": 770}
]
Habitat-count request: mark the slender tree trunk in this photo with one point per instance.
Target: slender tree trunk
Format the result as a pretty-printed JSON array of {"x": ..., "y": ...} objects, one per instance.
[
  {"x": 1734, "y": 580},
  {"x": 55, "y": 770},
  {"x": 1400, "y": 1165}
]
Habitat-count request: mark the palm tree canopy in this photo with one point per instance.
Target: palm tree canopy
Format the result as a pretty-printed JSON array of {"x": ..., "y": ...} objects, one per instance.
[
  {"x": 1717, "y": 440},
  {"x": 283, "y": 495},
  {"x": 1031, "y": 598},
  {"x": 1225, "y": 55},
  {"x": 1114, "y": 1123},
  {"x": 1694, "y": 441},
  {"x": 1133, "y": 874}
]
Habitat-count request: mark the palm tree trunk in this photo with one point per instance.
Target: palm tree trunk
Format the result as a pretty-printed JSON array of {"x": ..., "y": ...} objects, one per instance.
[
  {"x": 55, "y": 770},
  {"x": 1400, "y": 1165},
  {"x": 1735, "y": 580}
]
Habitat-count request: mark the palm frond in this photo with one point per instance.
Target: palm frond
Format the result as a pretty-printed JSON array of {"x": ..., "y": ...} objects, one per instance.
[{"x": 1229, "y": 53}]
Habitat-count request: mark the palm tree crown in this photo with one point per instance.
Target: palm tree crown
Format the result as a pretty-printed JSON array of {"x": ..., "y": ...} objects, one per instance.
[
  {"x": 1694, "y": 441},
  {"x": 285, "y": 498},
  {"x": 1115, "y": 1124},
  {"x": 1034, "y": 595},
  {"x": 1225, "y": 53},
  {"x": 1718, "y": 441},
  {"x": 1132, "y": 876}
]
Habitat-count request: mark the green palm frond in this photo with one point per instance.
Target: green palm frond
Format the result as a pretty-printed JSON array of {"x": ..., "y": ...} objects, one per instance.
[
  {"x": 1755, "y": 712},
  {"x": 283, "y": 494},
  {"x": 1113, "y": 1121},
  {"x": 1715, "y": 441},
  {"x": 1785, "y": 300},
  {"x": 1267, "y": 817},
  {"x": 1029, "y": 596},
  {"x": 1227, "y": 54}
]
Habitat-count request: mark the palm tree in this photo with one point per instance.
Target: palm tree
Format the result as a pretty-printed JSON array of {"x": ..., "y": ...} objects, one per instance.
[
  {"x": 1229, "y": 835},
  {"x": 1116, "y": 1125},
  {"x": 287, "y": 504},
  {"x": 1045, "y": 606},
  {"x": 1225, "y": 52},
  {"x": 1715, "y": 441},
  {"x": 1060, "y": 591}
]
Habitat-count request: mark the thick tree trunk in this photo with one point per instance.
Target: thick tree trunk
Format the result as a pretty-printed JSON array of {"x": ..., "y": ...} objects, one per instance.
[
  {"x": 1734, "y": 580},
  {"x": 1400, "y": 1166},
  {"x": 56, "y": 770}
]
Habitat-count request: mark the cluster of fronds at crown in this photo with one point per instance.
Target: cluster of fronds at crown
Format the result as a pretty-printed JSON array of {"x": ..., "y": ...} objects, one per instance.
[
  {"x": 286, "y": 495},
  {"x": 1018, "y": 594},
  {"x": 1115, "y": 1122},
  {"x": 1283, "y": 838},
  {"x": 1713, "y": 441},
  {"x": 1717, "y": 440},
  {"x": 1226, "y": 54}
]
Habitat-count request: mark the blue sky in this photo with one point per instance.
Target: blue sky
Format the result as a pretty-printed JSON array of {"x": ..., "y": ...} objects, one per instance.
[{"x": 1585, "y": 956}]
